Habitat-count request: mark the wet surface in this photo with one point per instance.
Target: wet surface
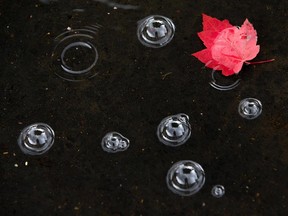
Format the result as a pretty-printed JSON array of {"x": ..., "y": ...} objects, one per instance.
[{"x": 133, "y": 88}]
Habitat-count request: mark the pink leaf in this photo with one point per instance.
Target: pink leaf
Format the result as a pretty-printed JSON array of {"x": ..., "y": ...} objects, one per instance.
[
  {"x": 227, "y": 47},
  {"x": 211, "y": 28},
  {"x": 234, "y": 46}
]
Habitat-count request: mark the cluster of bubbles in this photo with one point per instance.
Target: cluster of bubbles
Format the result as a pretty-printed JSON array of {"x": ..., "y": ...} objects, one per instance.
[
  {"x": 114, "y": 142},
  {"x": 74, "y": 58},
  {"x": 184, "y": 177}
]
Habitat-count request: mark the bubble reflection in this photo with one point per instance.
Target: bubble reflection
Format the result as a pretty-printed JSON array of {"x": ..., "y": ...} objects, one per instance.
[
  {"x": 155, "y": 31},
  {"x": 185, "y": 178},
  {"x": 75, "y": 54},
  {"x": 114, "y": 142},
  {"x": 174, "y": 130},
  {"x": 36, "y": 139}
]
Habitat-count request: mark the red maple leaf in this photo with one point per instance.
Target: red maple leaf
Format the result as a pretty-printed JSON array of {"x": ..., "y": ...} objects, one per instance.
[{"x": 227, "y": 46}]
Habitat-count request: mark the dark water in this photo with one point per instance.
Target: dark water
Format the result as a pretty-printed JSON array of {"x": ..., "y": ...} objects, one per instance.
[{"x": 131, "y": 94}]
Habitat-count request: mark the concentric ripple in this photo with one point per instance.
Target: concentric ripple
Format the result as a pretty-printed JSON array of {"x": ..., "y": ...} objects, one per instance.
[
  {"x": 185, "y": 178},
  {"x": 155, "y": 31},
  {"x": 36, "y": 139},
  {"x": 250, "y": 108},
  {"x": 223, "y": 83},
  {"x": 174, "y": 130},
  {"x": 114, "y": 142},
  {"x": 75, "y": 54}
]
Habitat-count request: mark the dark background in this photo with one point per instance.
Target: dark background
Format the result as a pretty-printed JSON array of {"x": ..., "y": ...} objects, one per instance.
[{"x": 131, "y": 96}]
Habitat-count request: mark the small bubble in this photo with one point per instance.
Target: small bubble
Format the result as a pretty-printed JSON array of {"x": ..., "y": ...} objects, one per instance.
[
  {"x": 218, "y": 191},
  {"x": 250, "y": 108},
  {"x": 174, "y": 130},
  {"x": 114, "y": 142},
  {"x": 185, "y": 178},
  {"x": 155, "y": 31},
  {"x": 36, "y": 139}
]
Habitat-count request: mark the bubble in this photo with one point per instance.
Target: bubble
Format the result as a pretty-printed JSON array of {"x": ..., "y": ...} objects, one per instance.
[
  {"x": 155, "y": 31},
  {"x": 75, "y": 54},
  {"x": 185, "y": 178},
  {"x": 114, "y": 142},
  {"x": 223, "y": 83},
  {"x": 250, "y": 108},
  {"x": 218, "y": 191},
  {"x": 174, "y": 130},
  {"x": 36, "y": 139}
]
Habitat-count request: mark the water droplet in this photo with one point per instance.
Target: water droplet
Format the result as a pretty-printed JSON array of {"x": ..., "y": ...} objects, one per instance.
[
  {"x": 36, "y": 139},
  {"x": 114, "y": 142},
  {"x": 75, "y": 54},
  {"x": 250, "y": 108},
  {"x": 223, "y": 83},
  {"x": 218, "y": 191},
  {"x": 174, "y": 130},
  {"x": 155, "y": 31},
  {"x": 185, "y": 178}
]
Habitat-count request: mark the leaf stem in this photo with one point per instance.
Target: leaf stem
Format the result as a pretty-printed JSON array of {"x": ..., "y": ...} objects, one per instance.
[{"x": 259, "y": 62}]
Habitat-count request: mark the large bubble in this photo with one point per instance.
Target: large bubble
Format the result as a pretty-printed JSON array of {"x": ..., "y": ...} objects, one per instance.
[
  {"x": 36, "y": 139},
  {"x": 250, "y": 108},
  {"x": 185, "y": 178},
  {"x": 155, "y": 31},
  {"x": 174, "y": 130}
]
